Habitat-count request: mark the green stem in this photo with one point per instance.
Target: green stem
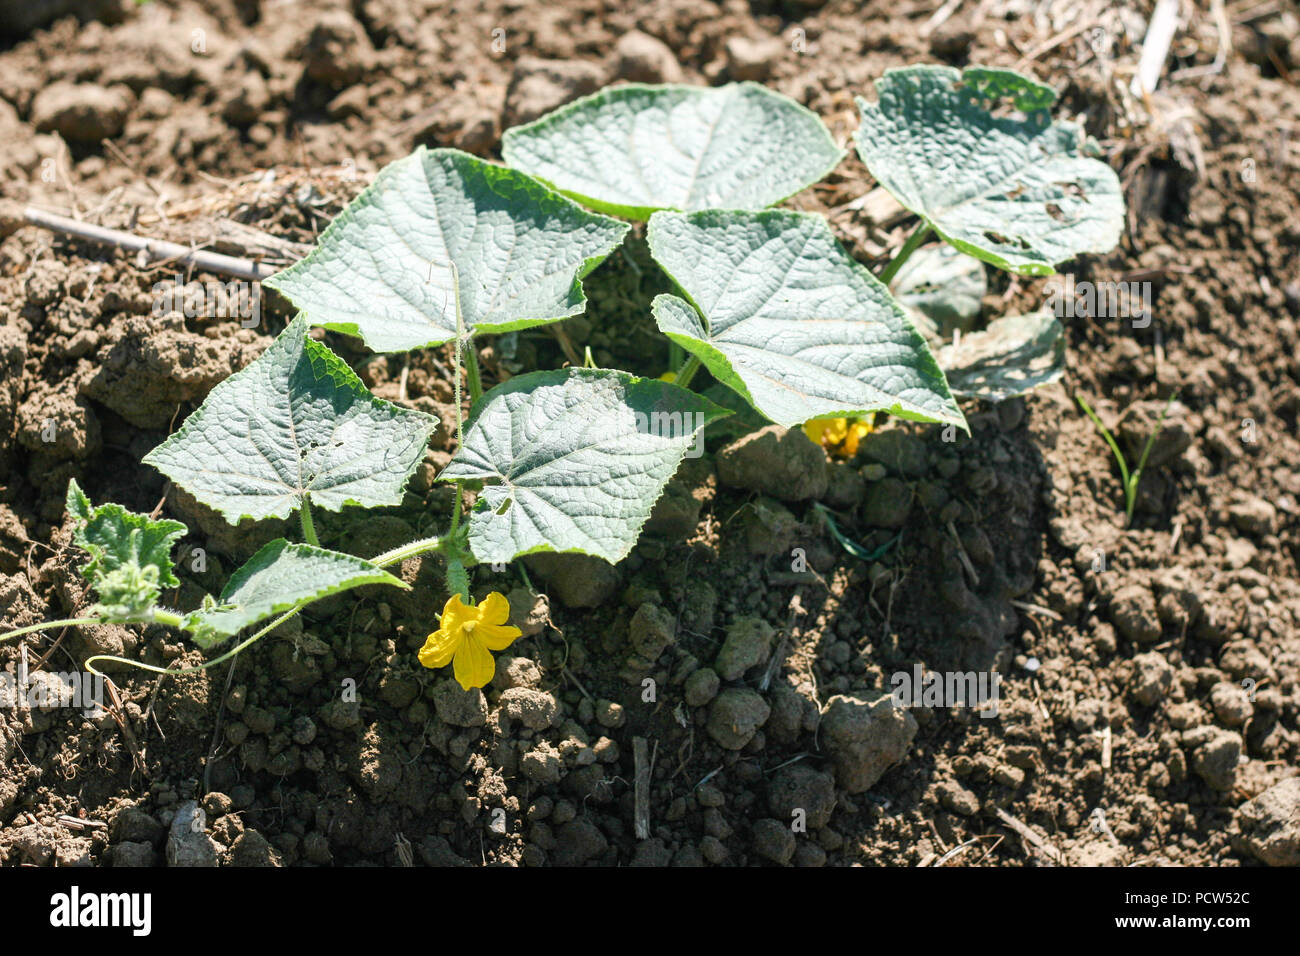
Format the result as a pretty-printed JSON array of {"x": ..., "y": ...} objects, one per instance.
[
  {"x": 455, "y": 511},
  {"x": 474, "y": 383},
  {"x": 464, "y": 343},
  {"x": 157, "y": 615},
  {"x": 458, "y": 579},
  {"x": 171, "y": 619},
  {"x": 167, "y": 618},
  {"x": 1146, "y": 452},
  {"x": 457, "y": 359},
  {"x": 913, "y": 243},
  {"x": 687, "y": 372},
  {"x": 202, "y": 667},
  {"x": 1130, "y": 486},
  {"x": 472, "y": 375},
  {"x": 308, "y": 526},
  {"x": 414, "y": 549},
  {"x": 50, "y": 625},
  {"x": 1110, "y": 439}
]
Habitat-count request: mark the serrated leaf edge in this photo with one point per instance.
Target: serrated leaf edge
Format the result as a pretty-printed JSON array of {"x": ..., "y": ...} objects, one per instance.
[{"x": 643, "y": 213}]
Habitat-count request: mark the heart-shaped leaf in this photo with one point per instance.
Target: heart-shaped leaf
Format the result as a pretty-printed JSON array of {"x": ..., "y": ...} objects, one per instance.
[
  {"x": 1015, "y": 354},
  {"x": 781, "y": 313},
  {"x": 280, "y": 577},
  {"x": 439, "y": 231},
  {"x": 977, "y": 155},
  {"x": 630, "y": 150},
  {"x": 575, "y": 460},
  {"x": 295, "y": 422},
  {"x": 941, "y": 289}
]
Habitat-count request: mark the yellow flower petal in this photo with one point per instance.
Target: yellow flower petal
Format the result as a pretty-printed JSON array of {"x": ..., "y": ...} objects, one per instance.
[
  {"x": 827, "y": 432},
  {"x": 668, "y": 377},
  {"x": 850, "y": 446},
  {"x": 496, "y": 637},
  {"x": 439, "y": 648},
  {"x": 474, "y": 665},
  {"x": 816, "y": 429},
  {"x": 468, "y": 635},
  {"x": 455, "y": 614},
  {"x": 859, "y": 430},
  {"x": 494, "y": 609}
]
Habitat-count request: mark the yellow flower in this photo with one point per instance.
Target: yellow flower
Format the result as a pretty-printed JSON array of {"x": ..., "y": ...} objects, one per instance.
[
  {"x": 856, "y": 432},
  {"x": 668, "y": 377},
  {"x": 467, "y": 634},
  {"x": 839, "y": 436},
  {"x": 826, "y": 432}
]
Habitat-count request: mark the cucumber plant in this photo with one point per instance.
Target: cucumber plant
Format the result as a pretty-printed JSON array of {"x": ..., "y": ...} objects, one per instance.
[{"x": 443, "y": 248}]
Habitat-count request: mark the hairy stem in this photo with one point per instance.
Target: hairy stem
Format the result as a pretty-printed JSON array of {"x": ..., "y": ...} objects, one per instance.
[
  {"x": 455, "y": 511},
  {"x": 157, "y": 615},
  {"x": 676, "y": 354},
  {"x": 472, "y": 374},
  {"x": 687, "y": 372},
  {"x": 456, "y": 363},
  {"x": 50, "y": 625},
  {"x": 90, "y": 662},
  {"x": 167, "y": 618},
  {"x": 458, "y": 579},
  {"x": 308, "y": 525},
  {"x": 455, "y": 569},
  {"x": 913, "y": 243},
  {"x": 414, "y": 549}
]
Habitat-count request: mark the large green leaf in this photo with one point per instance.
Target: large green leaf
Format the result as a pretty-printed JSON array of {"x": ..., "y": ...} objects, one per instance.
[
  {"x": 576, "y": 459},
  {"x": 781, "y": 313},
  {"x": 441, "y": 228},
  {"x": 130, "y": 554},
  {"x": 977, "y": 155},
  {"x": 630, "y": 150},
  {"x": 279, "y": 578},
  {"x": 295, "y": 422}
]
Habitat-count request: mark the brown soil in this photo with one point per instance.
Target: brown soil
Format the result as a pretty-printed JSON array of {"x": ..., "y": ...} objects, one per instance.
[{"x": 1010, "y": 552}]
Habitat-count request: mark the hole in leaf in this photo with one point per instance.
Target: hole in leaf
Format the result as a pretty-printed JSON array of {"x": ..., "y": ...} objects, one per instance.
[
  {"x": 1001, "y": 240},
  {"x": 505, "y": 506},
  {"x": 1055, "y": 212},
  {"x": 1007, "y": 109}
]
